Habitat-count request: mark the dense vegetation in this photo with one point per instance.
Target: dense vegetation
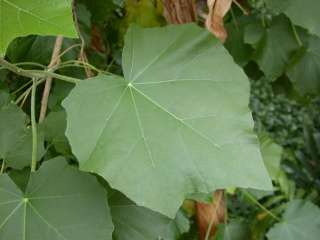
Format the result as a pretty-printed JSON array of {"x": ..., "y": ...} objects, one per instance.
[{"x": 117, "y": 123}]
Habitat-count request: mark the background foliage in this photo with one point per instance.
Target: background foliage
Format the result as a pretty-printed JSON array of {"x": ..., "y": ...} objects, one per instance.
[{"x": 277, "y": 45}]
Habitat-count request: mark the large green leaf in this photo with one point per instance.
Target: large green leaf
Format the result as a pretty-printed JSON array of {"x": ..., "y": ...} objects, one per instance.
[
  {"x": 43, "y": 17},
  {"x": 135, "y": 223},
  {"x": 177, "y": 123},
  {"x": 59, "y": 203},
  {"x": 305, "y": 13},
  {"x": 301, "y": 221}
]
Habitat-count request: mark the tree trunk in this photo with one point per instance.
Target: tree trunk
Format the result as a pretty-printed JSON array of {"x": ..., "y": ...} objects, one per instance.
[{"x": 179, "y": 11}]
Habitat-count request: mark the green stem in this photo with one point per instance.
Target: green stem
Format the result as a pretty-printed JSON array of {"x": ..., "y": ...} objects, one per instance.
[
  {"x": 36, "y": 73},
  {"x": 22, "y": 87},
  {"x": 244, "y": 11},
  {"x": 296, "y": 35},
  {"x": 255, "y": 201},
  {"x": 234, "y": 19},
  {"x": 34, "y": 127},
  {"x": 30, "y": 64},
  {"x": 27, "y": 92},
  {"x": 2, "y": 166}
]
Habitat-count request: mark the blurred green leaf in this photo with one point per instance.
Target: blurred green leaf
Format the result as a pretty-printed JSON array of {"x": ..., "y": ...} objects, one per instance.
[
  {"x": 253, "y": 33},
  {"x": 235, "y": 230},
  {"x": 304, "y": 69},
  {"x": 235, "y": 44},
  {"x": 276, "y": 47},
  {"x": 277, "y": 6},
  {"x": 301, "y": 221},
  {"x": 305, "y": 13},
  {"x": 145, "y": 13},
  {"x": 271, "y": 154}
]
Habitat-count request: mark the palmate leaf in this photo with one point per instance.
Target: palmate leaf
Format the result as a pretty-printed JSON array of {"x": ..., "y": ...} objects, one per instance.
[
  {"x": 301, "y": 221},
  {"x": 43, "y": 17},
  {"x": 177, "y": 123},
  {"x": 59, "y": 203},
  {"x": 305, "y": 14},
  {"x": 135, "y": 223}
]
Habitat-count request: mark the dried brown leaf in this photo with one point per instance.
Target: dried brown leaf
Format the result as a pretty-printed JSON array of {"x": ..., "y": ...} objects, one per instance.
[
  {"x": 210, "y": 215},
  {"x": 214, "y": 22}
]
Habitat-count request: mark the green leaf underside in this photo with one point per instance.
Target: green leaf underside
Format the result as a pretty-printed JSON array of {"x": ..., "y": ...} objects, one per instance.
[
  {"x": 59, "y": 203},
  {"x": 43, "y": 17},
  {"x": 301, "y": 221},
  {"x": 138, "y": 223},
  {"x": 177, "y": 123},
  {"x": 305, "y": 14}
]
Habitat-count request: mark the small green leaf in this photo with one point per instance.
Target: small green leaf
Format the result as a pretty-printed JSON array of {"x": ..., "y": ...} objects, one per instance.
[
  {"x": 305, "y": 14},
  {"x": 43, "y": 17},
  {"x": 253, "y": 33},
  {"x": 235, "y": 230},
  {"x": 59, "y": 203},
  {"x": 276, "y": 47},
  {"x": 135, "y": 223},
  {"x": 301, "y": 221},
  {"x": 20, "y": 155},
  {"x": 235, "y": 44},
  {"x": 304, "y": 70},
  {"x": 54, "y": 127},
  {"x": 177, "y": 123},
  {"x": 271, "y": 154},
  {"x": 277, "y": 6},
  {"x": 12, "y": 125},
  {"x": 15, "y": 137}
]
